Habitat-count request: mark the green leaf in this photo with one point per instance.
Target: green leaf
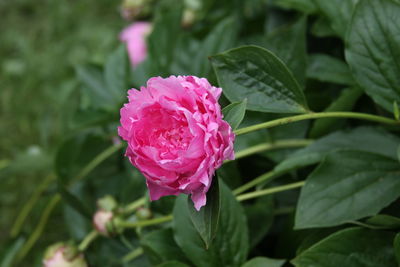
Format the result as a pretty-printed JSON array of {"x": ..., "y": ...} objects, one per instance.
[
  {"x": 398, "y": 152},
  {"x": 173, "y": 264},
  {"x": 379, "y": 142},
  {"x": 348, "y": 185},
  {"x": 8, "y": 255},
  {"x": 338, "y": 13},
  {"x": 90, "y": 118},
  {"x": 74, "y": 153},
  {"x": 373, "y": 50},
  {"x": 206, "y": 219},
  {"x": 159, "y": 246},
  {"x": 288, "y": 42},
  {"x": 326, "y": 68},
  {"x": 260, "y": 216},
  {"x": 76, "y": 224},
  {"x": 322, "y": 28},
  {"x": 305, "y": 6},
  {"x": 73, "y": 201},
  {"x": 116, "y": 74},
  {"x": 396, "y": 111},
  {"x": 345, "y": 102},
  {"x": 264, "y": 262},
  {"x": 92, "y": 79},
  {"x": 256, "y": 74},
  {"x": 165, "y": 36},
  {"x": 218, "y": 40},
  {"x": 230, "y": 245},
  {"x": 234, "y": 113},
  {"x": 353, "y": 247},
  {"x": 382, "y": 220},
  {"x": 396, "y": 244}
]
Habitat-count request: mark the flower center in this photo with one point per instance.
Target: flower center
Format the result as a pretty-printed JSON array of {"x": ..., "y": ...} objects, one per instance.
[{"x": 166, "y": 131}]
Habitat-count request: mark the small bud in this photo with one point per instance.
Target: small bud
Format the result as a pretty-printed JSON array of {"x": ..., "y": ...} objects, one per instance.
[
  {"x": 107, "y": 203},
  {"x": 188, "y": 18},
  {"x": 143, "y": 213},
  {"x": 101, "y": 221},
  {"x": 136, "y": 9},
  {"x": 62, "y": 255}
]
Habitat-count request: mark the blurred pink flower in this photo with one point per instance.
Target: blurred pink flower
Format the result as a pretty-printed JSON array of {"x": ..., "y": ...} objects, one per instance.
[
  {"x": 135, "y": 38},
  {"x": 176, "y": 136}
]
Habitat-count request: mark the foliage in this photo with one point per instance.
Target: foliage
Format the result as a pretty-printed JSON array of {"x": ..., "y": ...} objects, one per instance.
[{"x": 311, "y": 89}]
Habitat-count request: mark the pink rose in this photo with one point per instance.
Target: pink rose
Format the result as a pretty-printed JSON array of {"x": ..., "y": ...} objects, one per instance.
[
  {"x": 135, "y": 38},
  {"x": 176, "y": 136}
]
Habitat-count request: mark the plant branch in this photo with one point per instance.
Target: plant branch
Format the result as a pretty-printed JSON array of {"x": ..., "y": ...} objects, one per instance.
[
  {"x": 269, "y": 191},
  {"x": 40, "y": 227},
  {"x": 308, "y": 116},
  {"x": 132, "y": 255},
  {"x": 97, "y": 161},
  {"x": 87, "y": 240},
  {"x": 28, "y": 206},
  {"x": 144, "y": 223},
  {"x": 270, "y": 146},
  {"x": 262, "y": 178},
  {"x": 134, "y": 205},
  {"x": 56, "y": 198}
]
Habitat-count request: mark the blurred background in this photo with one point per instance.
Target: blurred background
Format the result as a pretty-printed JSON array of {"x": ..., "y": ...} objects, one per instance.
[{"x": 40, "y": 44}]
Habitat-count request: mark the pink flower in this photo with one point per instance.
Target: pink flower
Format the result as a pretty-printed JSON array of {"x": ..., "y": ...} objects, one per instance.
[
  {"x": 135, "y": 38},
  {"x": 176, "y": 136}
]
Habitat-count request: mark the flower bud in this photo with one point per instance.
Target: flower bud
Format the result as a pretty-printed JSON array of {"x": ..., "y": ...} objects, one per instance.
[
  {"x": 101, "y": 221},
  {"x": 143, "y": 213},
  {"x": 62, "y": 255},
  {"x": 189, "y": 17},
  {"x": 107, "y": 203},
  {"x": 136, "y": 9}
]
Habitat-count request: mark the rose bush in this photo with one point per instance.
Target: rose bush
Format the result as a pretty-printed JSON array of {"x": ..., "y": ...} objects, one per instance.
[{"x": 176, "y": 136}]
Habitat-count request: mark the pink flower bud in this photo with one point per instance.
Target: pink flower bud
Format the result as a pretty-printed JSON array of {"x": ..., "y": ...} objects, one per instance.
[
  {"x": 135, "y": 38},
  {"x": 100, "y": 220},
  {"x": 60, "y": 255},
  {"x": 176, "y": 136}
]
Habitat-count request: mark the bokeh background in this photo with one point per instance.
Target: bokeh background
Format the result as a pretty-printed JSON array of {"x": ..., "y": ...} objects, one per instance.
[{"x": 41, "y": 42}]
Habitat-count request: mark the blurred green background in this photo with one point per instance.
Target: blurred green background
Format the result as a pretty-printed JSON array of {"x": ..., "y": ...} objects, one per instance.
[{"x": 40, "y": 43}]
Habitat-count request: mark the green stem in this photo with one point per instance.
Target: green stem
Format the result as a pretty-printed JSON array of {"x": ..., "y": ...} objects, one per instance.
[
  {"x": 262, "y": 178},
  {"x": 87, "y": 240},
  {"x": 368, "y": 225},
  {"x": 308, "y": 116},
  {"x": 283, "y": 211},
  {"x": 134, "y": 205},
  {"x": 270, "y": 146},
  {"x": 56, "y": 198},
  {"x": 132, "y": 255},
  {"x": 269, "y": 191},
  {"x": 144, "y": 223},
  {"x": 26, "y": 209},
  {"x": 40, "y": 227},
  {"x": 96, "y": 161}
]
